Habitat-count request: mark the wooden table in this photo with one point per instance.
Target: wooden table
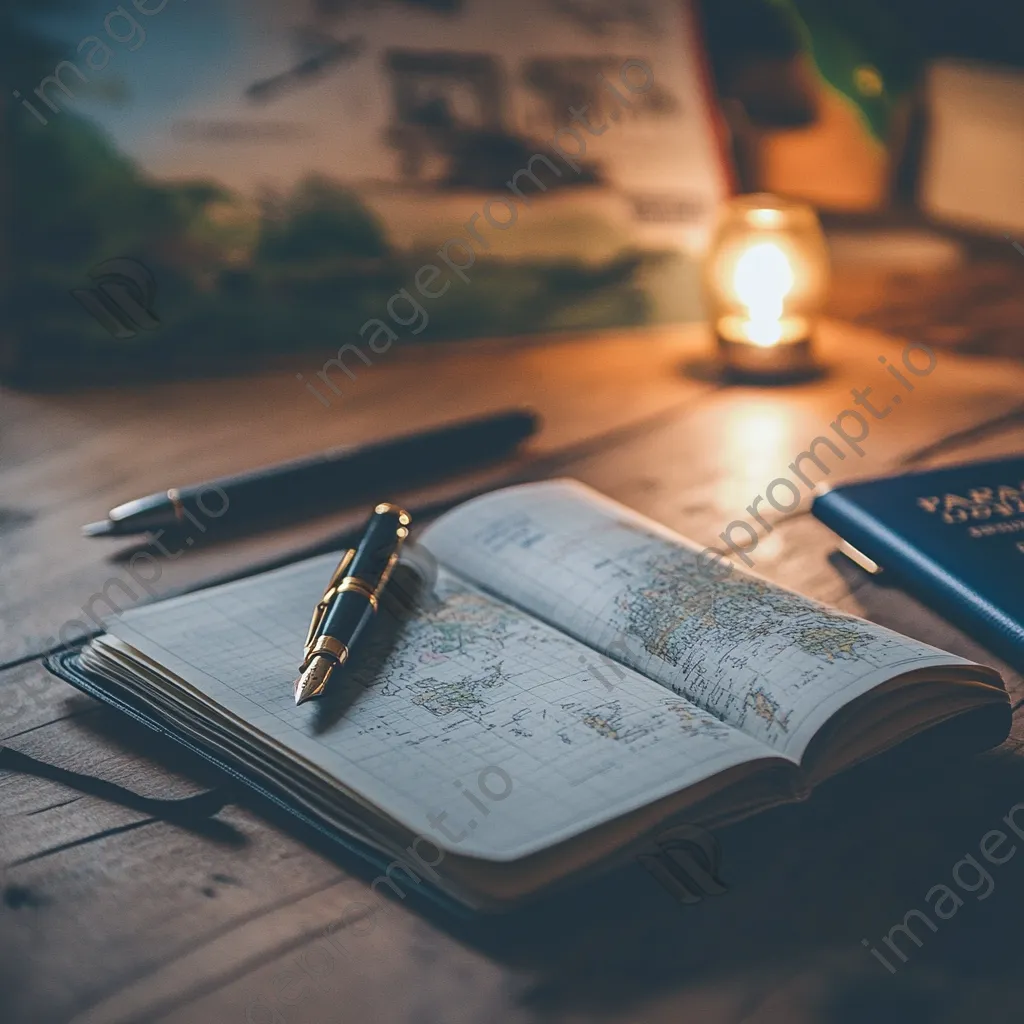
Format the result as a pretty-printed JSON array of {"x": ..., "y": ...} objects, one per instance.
[{"x": 110, "y": 915}]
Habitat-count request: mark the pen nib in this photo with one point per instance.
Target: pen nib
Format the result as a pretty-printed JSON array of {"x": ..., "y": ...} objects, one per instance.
[{"x": 313, "y": 681}]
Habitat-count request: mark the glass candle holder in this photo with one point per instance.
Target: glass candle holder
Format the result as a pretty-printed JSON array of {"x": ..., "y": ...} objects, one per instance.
[{"x": 765, "y": 278}]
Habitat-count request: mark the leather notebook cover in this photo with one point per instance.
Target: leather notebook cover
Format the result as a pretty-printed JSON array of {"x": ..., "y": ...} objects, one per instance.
[{"x": 66, "y": 666}]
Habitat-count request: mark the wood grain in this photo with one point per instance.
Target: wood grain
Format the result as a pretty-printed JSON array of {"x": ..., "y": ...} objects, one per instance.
[
  {"x": 110, "y": 915},
  {"x": 64, "y": 460}
]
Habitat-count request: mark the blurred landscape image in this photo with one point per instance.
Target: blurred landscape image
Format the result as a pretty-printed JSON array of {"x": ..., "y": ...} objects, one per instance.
[{"x": 282, "y": 169}]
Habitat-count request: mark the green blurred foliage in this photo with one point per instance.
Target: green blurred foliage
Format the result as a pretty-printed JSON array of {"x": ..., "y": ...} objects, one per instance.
[
  {"x": 320, "y": 223},
  {"x": 849, "y": 41},
  {"x": 896, "y": 39}
]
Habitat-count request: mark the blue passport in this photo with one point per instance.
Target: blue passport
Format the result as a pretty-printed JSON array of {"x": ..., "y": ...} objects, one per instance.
[{"x": 953, "y": 537}]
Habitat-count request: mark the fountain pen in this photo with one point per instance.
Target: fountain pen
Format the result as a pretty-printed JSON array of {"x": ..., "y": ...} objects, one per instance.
[{"x": 351, "y": 599}]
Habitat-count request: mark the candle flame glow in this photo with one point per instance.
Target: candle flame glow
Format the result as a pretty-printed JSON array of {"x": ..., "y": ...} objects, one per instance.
[{"x": 762, "y": 280}]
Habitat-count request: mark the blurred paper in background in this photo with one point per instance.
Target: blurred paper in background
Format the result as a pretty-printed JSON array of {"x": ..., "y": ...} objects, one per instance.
[
  {"x": 282, "y": 169},
  {"x": 973, "y": 170}
]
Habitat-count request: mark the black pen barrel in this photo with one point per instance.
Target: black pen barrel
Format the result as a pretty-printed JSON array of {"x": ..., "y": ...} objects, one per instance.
[
  {"x": 321, "y": 482},
  {"x": 386, "y": 529},
  {"x": 368, "y": 572}
]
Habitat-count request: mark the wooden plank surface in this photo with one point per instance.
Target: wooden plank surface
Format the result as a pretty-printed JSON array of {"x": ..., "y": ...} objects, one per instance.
[
  {"x": 66, "y": 459},
  {"x": 108, "y": 914}
]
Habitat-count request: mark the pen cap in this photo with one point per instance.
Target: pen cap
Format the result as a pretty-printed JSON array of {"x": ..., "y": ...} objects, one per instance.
[{"x": 386, "y": 531}]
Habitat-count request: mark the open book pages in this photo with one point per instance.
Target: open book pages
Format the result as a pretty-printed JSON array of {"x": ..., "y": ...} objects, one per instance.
[
  {"x": 569, "y": 683},
  {"x": 774, "y": 664}
]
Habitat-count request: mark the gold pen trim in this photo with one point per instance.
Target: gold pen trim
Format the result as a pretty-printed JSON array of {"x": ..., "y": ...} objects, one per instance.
[
  {"x": 325, "y": 602},
  {"x": 403, "y": 517},
  {"x": 354, "y": 585},
  {"x": 327, "y": 646}
]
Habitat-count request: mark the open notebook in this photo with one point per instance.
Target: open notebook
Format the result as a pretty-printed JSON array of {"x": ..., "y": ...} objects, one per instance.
[{"x": 570, "y": 684}]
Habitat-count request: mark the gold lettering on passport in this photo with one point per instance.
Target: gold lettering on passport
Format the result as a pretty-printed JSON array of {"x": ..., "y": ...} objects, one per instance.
[
  {"x": 980, "y": 503},
  {"x": 990, "y": 529}
]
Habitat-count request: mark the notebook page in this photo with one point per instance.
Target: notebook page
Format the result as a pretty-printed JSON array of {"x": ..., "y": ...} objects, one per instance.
[
  {"x": 471, "y": 696},
  {"x": 768, "y": 661}
]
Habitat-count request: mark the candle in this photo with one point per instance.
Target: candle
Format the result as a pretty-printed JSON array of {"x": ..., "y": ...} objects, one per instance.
[{"x": 765, "y": 278}]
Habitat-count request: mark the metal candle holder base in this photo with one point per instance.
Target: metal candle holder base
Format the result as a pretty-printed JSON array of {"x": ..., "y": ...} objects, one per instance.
[{"x": 788, "y": 361}]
